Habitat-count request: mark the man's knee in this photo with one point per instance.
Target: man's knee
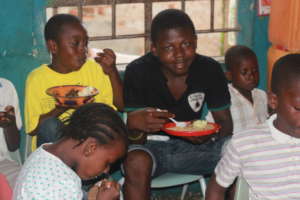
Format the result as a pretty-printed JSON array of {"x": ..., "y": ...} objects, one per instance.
[
  {"x": 137, "y": 162},
  {"x": 49, "y": 130}
]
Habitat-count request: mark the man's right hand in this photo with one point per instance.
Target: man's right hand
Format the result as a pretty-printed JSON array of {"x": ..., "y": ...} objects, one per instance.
[{"x": 148, "y": 120}]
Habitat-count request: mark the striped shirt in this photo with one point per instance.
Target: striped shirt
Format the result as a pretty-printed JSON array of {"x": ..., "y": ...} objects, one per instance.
[{"x": 268, "y": 159}]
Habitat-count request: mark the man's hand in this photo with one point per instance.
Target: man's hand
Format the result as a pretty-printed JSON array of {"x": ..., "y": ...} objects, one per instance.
[
  {"x": 107, "y": 59},
  {"x": 148, "y": 120}
]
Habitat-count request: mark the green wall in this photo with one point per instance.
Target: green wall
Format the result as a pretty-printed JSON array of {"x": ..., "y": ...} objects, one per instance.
[{"x": 21, "y": 47}]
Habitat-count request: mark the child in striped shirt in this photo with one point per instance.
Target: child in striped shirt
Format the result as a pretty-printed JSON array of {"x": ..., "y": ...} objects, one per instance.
[{"x": 267, "y": 156}]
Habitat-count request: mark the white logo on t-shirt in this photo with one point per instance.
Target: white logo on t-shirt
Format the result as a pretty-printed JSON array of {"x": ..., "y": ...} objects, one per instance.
[{"x": 195, "y": 101}]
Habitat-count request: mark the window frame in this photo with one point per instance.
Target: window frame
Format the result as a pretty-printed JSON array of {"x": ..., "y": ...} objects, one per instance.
[{"x": 147, "y": 17}]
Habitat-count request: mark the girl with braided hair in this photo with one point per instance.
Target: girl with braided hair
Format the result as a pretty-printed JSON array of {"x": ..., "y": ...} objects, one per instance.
[{"x": 93, "y": 138}]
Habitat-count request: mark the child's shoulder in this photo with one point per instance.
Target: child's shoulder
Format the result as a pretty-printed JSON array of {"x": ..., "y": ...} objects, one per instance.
[
  {"x": 205, "y": 64},
  {"x": 39, "y": 70},
  {"x": 205, "y": 59},
  {"x": 254, "y": 133},
  {"x": 144, "y": 64},
  {"x": 5, "y": 82},
  {"x": 259, "y": 91}
]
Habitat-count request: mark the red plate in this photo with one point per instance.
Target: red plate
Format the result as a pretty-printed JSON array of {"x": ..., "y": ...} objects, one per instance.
[{"x": 215, "y": 128}]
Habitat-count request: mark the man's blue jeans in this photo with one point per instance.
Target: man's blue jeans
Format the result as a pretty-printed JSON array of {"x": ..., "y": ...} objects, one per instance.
[{"x": 49, "y": 131}]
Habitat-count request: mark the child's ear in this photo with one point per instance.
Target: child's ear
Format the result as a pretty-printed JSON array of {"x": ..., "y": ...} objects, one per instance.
[
  {"x": 90, "y": 147},
  {"x": 272, "y": 100},
  {"x": 228, "y": 75},
  {"x": 52, "y": 46}
]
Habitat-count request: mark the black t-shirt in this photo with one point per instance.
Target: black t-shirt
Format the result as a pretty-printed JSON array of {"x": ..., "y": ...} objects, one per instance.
[{"x": 146, "y": 86}]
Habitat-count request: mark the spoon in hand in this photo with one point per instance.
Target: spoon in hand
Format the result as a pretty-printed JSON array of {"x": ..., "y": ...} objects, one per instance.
[{"x": 178, "y": 124}]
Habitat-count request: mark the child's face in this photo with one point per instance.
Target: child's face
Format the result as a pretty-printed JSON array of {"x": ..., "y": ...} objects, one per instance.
[
  {"x": 98, "y": 159},
  {"x": 176, "y": 49},
  {"x": 287, "y": 106},
  {"x": 245, "y": 76},
  {"x": 69, "y": 52}
]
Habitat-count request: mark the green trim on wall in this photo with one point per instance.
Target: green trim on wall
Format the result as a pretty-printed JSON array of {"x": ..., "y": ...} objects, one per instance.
[{"x": 22, "y": 48}]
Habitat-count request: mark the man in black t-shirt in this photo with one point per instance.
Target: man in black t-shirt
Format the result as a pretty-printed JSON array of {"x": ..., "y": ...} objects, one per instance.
[{"x": 173, "y": 81}]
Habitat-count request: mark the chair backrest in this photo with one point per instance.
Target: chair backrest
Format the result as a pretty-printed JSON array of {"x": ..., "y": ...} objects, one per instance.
[
  {"x": 16, "y": 156},
  {"x": 28, "y": 148},
  {"x": 242, "y": 189}
]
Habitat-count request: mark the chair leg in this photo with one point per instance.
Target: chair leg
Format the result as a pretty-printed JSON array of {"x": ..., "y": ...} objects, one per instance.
[
  {"x": 121, "y": 182},
  {"x": 203, "y": 186},
  {"x": 184, "y": 189}
]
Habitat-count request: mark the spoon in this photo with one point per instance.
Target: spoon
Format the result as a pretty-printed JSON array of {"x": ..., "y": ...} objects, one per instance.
[{"x": 178, "y": 124}]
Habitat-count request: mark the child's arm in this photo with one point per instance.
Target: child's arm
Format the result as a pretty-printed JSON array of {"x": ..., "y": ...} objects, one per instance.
[
  {"x": 56, "y": 112},
  {"x": 214, "y": 190},
  {"x": 107, "y": 60},
  {"x": 11, "y": 132}
]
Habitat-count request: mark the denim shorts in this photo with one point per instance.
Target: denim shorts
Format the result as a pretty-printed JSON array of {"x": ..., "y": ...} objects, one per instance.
[{"x": 179, "y": 156}]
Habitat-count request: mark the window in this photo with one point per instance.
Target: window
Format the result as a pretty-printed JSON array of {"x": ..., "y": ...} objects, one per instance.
[{"x": 124, "y": 25}]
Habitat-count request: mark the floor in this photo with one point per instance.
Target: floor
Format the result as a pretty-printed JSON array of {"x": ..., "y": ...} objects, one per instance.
[{"x": 189, "y": 196}]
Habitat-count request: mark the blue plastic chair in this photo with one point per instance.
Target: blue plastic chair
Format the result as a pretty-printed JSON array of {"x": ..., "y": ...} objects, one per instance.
[{"x": 174, "y": 179}]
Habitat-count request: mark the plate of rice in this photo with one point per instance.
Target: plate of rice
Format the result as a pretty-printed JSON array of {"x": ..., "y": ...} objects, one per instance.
[{"x": 194, "y": 128}]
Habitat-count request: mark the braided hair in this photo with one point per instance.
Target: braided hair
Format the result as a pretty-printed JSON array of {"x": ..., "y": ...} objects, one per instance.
[{"x": 95, "y": 120}]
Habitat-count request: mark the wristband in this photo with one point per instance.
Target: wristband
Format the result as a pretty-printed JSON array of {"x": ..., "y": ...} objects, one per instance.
[{"x": 138, "y": 137}]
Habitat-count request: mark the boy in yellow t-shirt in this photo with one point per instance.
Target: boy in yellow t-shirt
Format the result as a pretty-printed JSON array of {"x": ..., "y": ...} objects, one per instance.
[{"x": 67, "y": 41}]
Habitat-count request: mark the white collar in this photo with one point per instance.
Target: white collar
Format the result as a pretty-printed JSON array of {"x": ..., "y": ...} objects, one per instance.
[{"x": 280, "y": 136}]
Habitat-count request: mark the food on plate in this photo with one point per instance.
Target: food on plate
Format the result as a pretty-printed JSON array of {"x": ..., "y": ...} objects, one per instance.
[
  {"x": 86, "y": 91},
  {"x": 197, "y": 125},
  {"x": 73, "y": 93}
]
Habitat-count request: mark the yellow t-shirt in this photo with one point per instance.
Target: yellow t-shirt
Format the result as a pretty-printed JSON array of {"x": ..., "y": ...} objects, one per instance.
[{"x": 37, "y": 102}]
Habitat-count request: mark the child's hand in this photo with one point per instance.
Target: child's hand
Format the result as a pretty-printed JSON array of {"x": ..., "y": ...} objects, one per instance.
[
  {"x": 7, "y": 117},
  {"x": 108, "y": 190},
  {"x": 107, "y": 60}
]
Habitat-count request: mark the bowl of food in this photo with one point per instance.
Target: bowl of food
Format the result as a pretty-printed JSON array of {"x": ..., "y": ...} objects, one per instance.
[
  {"x": 195, "y": 128},
  {"x": 72, "y": 95}
]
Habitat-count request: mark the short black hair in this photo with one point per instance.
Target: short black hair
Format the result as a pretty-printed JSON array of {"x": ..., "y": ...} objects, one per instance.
[
  {"x": 95, "y": 120},
  {"x": 235, "y": 54},
  {"x": 170, "y": 19},
  {"x": 285, "y": 70},
  {"x": 55, "y": 24}
]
